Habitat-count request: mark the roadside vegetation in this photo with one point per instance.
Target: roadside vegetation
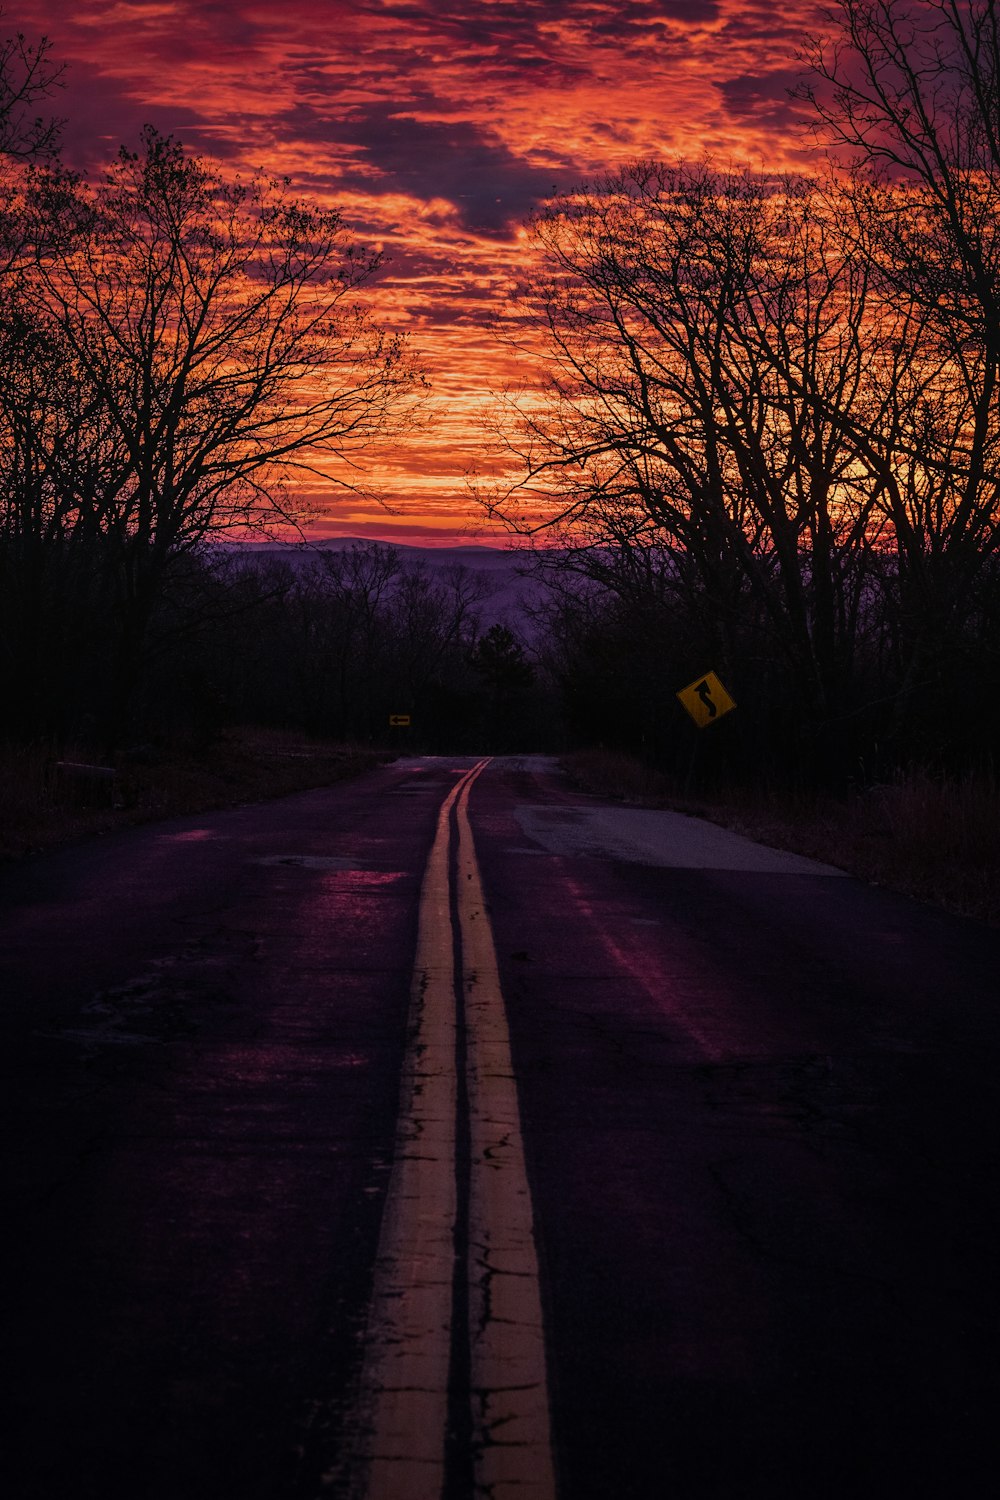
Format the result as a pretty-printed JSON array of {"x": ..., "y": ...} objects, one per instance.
[{"x": 45, "y": 802}]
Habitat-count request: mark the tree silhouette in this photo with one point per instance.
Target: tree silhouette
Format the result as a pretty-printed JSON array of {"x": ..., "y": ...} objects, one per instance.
[
  {"x": 27, "y": 75},
  {"x": 908, "y": 99},
  {"x": 221, "y": 358},
  {"x": 709, "y": 332},
  {"x": 499, "y": 661}
]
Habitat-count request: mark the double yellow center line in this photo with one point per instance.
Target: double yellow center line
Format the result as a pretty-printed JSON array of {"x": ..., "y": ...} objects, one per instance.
[{"x": 411, "y": 1381}]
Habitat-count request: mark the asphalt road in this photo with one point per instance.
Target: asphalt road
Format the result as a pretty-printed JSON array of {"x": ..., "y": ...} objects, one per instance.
[{"x": 366, "y": 1146}]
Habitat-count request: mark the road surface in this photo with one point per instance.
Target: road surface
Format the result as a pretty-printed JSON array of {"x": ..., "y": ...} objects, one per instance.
[{"x": 450, "y": 1133}]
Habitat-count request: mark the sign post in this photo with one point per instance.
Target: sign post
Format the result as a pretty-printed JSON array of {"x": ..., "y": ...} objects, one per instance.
[{"x": 399, "y": 721}]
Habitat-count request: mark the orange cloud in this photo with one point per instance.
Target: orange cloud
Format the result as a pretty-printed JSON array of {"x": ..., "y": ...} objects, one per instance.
[{"x": 436, "y": 128}]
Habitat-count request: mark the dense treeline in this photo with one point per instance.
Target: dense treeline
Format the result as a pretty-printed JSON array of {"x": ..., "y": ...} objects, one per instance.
[
  {"x": 772, "y": 441},
  {"x": 338, "y": 643}
]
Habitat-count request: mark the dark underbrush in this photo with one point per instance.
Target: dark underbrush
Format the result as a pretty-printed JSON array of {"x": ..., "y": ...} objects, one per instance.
[{"x": 45, "y": 800}]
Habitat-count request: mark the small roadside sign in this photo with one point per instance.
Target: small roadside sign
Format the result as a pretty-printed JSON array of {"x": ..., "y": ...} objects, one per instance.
[
  {"x": 706, "y": 700},
  {"x": 399, "y": 721}
]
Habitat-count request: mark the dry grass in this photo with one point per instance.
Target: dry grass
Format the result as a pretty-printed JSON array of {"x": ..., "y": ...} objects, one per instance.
[
  {"x": 935, "y": 839},
  {"x": 607, "y": 773},
  {"x": 41, "y": 807}
]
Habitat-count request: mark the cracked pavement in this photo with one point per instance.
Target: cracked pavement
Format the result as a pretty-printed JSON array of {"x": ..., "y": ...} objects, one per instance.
[{"x": 757, "y": 1103}]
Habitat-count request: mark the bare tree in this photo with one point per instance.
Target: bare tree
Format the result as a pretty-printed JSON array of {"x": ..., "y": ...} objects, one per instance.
[
  {"x": 384, "y": 630},
  {"x": 434, "y": 623},
  {"x": 54, "y": 447},
  {"x": 28, "y": 75},
  {"x": 29, "y": 138},
  {"x": 707, "y": 330},
  {"x": 345, "y": 598},
  {"x": 784, "y": 394},
  {"x": 908, "y": 98},
  {"x": 213, "y": 327}
]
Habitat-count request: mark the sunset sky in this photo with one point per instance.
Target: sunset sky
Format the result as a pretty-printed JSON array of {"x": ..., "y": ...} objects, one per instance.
[{"x": 436, "y": 128}]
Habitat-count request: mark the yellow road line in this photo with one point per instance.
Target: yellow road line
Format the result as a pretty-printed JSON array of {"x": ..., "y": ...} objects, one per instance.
[
  {"x": 404, "y": 1399},
  {"x": 510, "y": 1391},
  {"x": 403, "y": 1406}
]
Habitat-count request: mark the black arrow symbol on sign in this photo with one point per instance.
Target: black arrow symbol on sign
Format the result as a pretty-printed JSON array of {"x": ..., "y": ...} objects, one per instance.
[{"x": 705, "y": 694}]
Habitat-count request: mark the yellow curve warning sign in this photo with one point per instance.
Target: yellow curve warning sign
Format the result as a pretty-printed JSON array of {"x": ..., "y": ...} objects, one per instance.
[{"x": 706, "y": 700}]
